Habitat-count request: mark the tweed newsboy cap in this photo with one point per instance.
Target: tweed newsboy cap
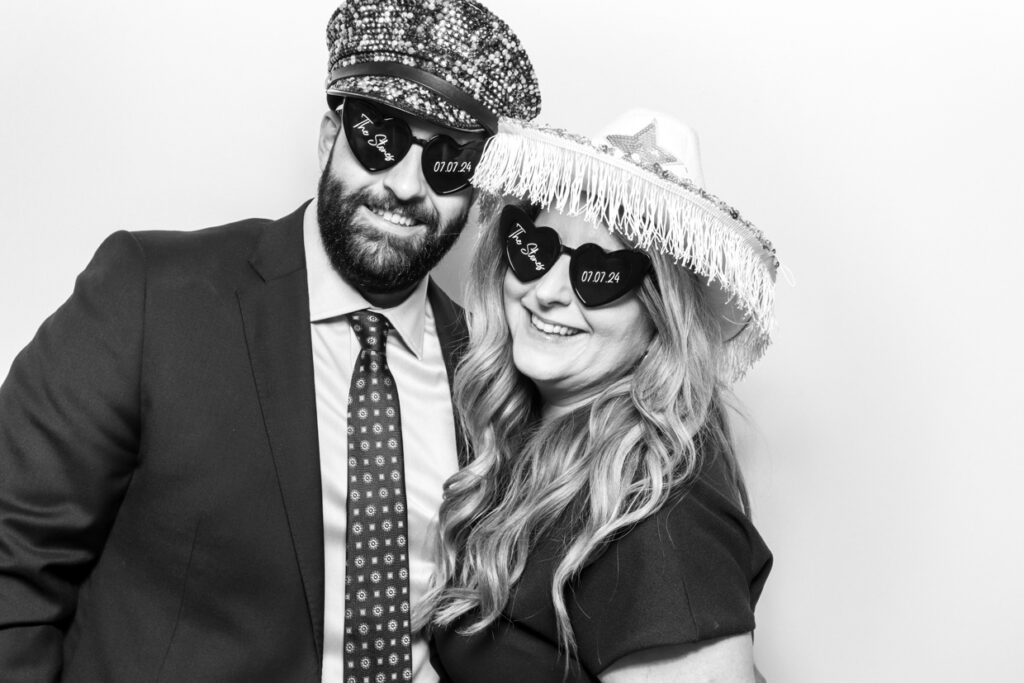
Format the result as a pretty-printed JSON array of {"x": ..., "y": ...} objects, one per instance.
[{"x": 451, "y": 62}]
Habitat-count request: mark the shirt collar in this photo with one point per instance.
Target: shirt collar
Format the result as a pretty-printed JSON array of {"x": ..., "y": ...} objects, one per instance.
[{"x": 331, "y": 297}]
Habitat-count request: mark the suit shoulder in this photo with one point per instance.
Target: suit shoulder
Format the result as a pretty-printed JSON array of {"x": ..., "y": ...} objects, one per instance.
[
  {"x": 219, "y": 243},
  {"x": 225, "y": 254},
  {"x": 220, "y": 258}
]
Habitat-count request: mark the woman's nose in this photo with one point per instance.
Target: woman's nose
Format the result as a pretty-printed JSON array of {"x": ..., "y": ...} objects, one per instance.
[{"x": 554, "y": 287}]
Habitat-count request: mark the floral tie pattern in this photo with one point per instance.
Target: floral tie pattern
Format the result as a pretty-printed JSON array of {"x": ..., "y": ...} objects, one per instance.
[{"x": 377, "y": 632}]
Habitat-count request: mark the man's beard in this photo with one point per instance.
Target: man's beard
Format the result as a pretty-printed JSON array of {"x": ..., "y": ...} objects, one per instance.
[{"x": 372, "y": 260}]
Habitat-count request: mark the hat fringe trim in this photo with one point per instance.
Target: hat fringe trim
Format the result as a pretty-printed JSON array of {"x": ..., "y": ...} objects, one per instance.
[{"x": 653, "y": 213}]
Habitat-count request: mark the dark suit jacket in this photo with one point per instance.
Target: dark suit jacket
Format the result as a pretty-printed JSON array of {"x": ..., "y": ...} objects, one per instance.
[{"x": 160, "y": 508}]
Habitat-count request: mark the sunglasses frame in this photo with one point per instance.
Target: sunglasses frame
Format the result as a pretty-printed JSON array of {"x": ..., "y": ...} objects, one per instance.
[
  {"x": 640, "y": 264},
  {"x": 370, "y": 113}
]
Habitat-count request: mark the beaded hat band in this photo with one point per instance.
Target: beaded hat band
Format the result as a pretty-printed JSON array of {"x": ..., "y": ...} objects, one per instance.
[{"x": 642, "y": 178}]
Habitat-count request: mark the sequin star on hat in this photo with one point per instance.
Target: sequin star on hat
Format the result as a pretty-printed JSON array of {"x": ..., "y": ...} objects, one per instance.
[{"x": 450, "y": 62}]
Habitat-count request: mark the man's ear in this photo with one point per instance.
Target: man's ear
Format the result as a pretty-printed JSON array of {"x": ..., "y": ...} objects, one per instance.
[{"x": 330, "y": 124}]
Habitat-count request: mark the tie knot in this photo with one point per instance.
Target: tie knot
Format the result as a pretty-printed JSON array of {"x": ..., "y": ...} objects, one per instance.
[{"x": 371, "y": 328}]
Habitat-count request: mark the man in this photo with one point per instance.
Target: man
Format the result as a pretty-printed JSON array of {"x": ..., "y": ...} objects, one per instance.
[{"x": 220, "y": 458}]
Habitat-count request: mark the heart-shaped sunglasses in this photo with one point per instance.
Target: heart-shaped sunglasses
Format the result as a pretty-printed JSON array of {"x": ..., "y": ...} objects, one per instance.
[
  {"x": 598, "y": 277},
  {"x": 380, "y": 140}
]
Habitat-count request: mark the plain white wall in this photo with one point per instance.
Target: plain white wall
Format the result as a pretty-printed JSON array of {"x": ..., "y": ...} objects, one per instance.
[{"x": 879, "y": 145}]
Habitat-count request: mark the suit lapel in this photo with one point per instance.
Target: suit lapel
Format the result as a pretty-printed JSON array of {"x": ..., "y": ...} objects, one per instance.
[
  {"x": 275, "y": 312},
  {"x": 450, "y": 320}
]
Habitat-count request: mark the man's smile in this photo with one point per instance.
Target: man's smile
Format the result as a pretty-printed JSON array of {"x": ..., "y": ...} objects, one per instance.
[{"x": 394, "y": 222}]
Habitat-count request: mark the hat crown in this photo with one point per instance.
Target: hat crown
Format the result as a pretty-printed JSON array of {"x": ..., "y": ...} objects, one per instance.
[
  {"x": 458, "y": 41},
  {"x": 651, "y": 138}
]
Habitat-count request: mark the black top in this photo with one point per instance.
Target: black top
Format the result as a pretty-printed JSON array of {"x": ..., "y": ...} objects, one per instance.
[{"x": 691, "y": 572}]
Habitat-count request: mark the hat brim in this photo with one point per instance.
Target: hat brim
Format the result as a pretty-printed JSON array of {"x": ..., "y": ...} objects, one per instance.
[
  {"x": 405, "y": 96},
  {"x": 732, "y": 319}
]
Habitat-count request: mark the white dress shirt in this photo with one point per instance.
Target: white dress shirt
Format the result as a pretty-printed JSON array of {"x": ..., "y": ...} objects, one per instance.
[{"x": 428, "y": 432}]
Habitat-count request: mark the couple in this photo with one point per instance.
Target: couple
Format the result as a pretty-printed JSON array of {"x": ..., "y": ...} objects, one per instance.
[{"x": 233, "y": 454}]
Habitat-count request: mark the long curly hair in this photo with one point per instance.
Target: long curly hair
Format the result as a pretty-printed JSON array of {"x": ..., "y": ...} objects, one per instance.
[{"x": 599, "y": 469}]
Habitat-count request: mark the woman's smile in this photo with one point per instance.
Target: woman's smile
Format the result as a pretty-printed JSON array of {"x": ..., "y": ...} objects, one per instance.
[{"x": 551, "y": 328}]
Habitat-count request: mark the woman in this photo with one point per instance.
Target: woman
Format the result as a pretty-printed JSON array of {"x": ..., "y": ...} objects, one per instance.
[{"x": 601, "y": 532}]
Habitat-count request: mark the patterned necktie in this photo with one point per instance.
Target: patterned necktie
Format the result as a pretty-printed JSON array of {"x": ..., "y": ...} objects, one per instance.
[{"x": 377, "y": 632}]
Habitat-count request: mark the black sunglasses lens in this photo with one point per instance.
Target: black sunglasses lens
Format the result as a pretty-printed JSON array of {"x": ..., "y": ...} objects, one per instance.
[
  {"x": 530, "y": 251},
  {"x": 599, "y": 277},
  {"x": 447, "y": 165},
  {"x": 377, "y": 141}
]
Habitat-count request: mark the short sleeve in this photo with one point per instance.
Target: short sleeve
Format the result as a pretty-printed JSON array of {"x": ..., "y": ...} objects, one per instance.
[{"x": 690, "y": 573}]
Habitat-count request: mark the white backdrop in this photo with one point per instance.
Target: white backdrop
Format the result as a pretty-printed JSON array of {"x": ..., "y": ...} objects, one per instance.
[{"x": 878, "y": 144}]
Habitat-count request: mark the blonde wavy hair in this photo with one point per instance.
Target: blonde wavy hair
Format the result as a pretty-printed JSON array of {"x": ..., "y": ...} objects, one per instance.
[{"x": 600, "y": 469}]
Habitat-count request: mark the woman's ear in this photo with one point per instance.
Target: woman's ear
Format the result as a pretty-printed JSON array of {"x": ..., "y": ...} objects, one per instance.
[{"x": 330, "y": 124}]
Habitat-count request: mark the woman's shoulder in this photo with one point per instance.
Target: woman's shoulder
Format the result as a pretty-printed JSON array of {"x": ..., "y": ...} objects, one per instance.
[
  {"x": 691, "y": 572},
  {"x": 703, "y": 517},
  {"x": 704, "y": 513}
]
